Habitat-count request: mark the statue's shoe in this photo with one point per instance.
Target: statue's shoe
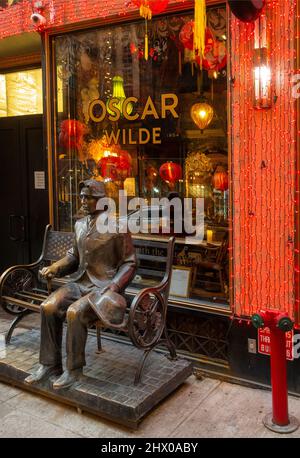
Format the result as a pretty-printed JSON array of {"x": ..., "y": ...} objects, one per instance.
[
  {"x": 67, "y": 379},
  {"x": 43, "y": 373}
]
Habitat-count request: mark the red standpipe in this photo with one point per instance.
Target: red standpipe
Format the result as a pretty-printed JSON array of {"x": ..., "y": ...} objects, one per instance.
[
  {"x": 278, "y": 323},
  {"x": 279, "y": 377}
]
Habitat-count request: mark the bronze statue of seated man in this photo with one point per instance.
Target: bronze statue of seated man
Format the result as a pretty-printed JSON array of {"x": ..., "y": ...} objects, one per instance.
[{"x": 102, "y": 263}]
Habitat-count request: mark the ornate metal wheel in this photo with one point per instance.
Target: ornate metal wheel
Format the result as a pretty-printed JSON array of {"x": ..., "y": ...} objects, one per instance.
[
  {"x": 18, "y": 280},
  {"x": 146, "y": 320}
]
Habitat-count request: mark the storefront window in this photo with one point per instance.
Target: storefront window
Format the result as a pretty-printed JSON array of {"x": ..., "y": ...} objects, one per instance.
[{"x": 151, "y": 128}]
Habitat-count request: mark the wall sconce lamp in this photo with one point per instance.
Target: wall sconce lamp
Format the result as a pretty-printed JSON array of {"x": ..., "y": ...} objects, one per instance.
[{"x": 263, "y": 78}]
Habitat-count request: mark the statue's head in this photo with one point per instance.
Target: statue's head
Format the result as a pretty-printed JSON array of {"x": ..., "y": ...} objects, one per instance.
[{"x": 90, "y": 192}]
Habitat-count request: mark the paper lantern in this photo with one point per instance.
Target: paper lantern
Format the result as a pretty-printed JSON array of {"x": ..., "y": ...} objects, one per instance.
[
  {"x": 220, "y": 179},
  {"x": 115, "y": 166},
  {"x": 247, "y": 10},
  {"x": 170, "y": 172},
  {"x": 202, "y": 114},
  {"x": 108, "y": 167}
]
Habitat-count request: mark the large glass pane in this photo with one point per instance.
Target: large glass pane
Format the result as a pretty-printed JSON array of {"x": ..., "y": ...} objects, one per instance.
[{"x": 158, "y": 146}]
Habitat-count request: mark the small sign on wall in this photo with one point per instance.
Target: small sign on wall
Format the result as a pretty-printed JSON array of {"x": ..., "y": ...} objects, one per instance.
[
  {"x": 39, "y": 180},
  {"x": 264, "y": 343}
]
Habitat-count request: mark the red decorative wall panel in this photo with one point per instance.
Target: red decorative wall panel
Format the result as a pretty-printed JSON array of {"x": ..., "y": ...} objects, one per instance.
[{"x": 263, "y": 169}]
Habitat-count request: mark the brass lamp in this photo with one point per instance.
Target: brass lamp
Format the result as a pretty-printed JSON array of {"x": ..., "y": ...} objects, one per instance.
[{"x": 202, "y": 114}]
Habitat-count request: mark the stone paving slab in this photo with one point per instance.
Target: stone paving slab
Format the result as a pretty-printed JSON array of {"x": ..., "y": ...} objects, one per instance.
[{"x": 107, "y": 387}]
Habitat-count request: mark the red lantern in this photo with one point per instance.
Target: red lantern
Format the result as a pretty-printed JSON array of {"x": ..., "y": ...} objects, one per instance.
[
  {"x": 155, "y": 6},
  {"x": 186, "y": 35},
  {"x": 108, "y": 167},
  {"x": 115, "y": 167},
  {"x": 171, "y": 172},
  {"x": 220, "y": 180},
  {"x": 124, "y": 165},
  {"x": 125, "y": 160},
  {"x": 247, "y": 10},
  {"x": 71, "y": 133}
]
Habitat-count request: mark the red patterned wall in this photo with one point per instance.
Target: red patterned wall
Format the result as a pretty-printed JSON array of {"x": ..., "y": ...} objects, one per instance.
[
  {"x": 263, "y": 169},
  {"x": 16, "y": 19}
]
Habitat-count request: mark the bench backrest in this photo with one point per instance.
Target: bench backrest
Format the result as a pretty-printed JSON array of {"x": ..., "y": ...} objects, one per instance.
[{"x": 56, "y": 244}]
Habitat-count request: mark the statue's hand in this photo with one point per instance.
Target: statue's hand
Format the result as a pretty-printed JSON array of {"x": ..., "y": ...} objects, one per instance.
[
  {"x": 113, "y": 287},
  {"x": 49, "y": 272}
]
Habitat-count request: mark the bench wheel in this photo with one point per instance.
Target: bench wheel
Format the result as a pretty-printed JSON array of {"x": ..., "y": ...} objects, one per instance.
[
  {"x": 146, "y": 320},
  {"x": 16, "y": 281}
]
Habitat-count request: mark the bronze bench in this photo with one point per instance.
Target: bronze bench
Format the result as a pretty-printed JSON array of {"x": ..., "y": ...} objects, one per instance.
[{"x": 22, "y": 290}]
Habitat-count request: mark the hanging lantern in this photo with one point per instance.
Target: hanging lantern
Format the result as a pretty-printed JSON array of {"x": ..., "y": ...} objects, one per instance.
[
  {"x": 170, "y": 172},
  {"x": 202, "y": 114},
  {"x": 220, "y": 179},
  {"x": 119, "y": 93},
  {"x": 71, "y": 133},
  {"x": 115, "y": 166},
  {"x": 247, "y": 10},
  {"x": 108, "y": 168}
]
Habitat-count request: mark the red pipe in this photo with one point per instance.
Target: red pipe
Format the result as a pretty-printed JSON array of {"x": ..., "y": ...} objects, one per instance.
[
  {"x": 279, "y": 323},
  {"x": 279, "y": 377}
]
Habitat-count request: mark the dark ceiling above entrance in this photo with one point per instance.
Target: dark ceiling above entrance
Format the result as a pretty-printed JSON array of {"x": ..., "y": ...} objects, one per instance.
[{"x": 17, "y": 45}]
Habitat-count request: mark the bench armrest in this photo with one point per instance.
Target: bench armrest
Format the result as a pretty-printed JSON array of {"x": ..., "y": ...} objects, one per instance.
[
  {"x": 10, "y": 270},
  {"x": 20, "y": 266}
]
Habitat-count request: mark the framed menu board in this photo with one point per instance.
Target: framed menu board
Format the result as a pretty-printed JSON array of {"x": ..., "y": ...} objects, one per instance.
[{"x": 181, "y": 281}]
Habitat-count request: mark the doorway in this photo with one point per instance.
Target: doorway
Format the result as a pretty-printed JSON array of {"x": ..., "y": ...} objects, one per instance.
[{"x": 23, "y": 188}]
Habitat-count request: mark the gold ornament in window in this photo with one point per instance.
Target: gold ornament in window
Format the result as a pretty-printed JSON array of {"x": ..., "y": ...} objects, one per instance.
[{"x": 198, "y": 175}]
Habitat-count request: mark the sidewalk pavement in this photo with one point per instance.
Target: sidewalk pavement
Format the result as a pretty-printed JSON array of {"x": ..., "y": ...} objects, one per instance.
[{"x": 205, "y": 408}]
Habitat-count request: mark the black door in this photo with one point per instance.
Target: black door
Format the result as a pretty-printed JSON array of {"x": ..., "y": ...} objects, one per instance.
[{"x": 24, "y": 205}]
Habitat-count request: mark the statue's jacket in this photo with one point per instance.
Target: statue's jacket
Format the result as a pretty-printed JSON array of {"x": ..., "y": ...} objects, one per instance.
[{"x": 104, "y": 258}]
